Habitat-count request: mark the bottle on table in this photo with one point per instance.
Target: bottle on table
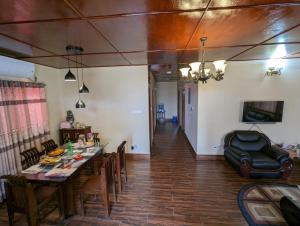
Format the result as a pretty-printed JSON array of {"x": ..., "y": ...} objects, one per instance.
[{"x": 70, "y": 149}]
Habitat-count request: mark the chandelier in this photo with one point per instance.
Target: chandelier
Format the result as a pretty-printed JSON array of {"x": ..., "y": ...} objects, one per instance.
[{"x": 198, "y": 72}]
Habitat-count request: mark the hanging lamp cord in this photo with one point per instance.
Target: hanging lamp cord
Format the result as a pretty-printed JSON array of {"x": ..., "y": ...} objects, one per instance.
[
  {"x": 77, "y": 77},
  {"x": 68, "y": 59},
  {"x": 81, "y": 68},
  {"x": 203, "y": 63}
]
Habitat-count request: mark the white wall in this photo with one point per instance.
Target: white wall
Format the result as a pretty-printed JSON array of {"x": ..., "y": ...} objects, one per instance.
[
  {"x": 117, "y": 106},
  {"x": 220, "y": 103},
  {"x": 167, "y": 95},
  {"x": 53, "y": 80},
  {"x": 191, "y": 113}
]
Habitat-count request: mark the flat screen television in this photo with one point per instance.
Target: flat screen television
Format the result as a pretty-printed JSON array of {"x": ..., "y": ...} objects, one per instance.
[{"x": 262, "y": 111}]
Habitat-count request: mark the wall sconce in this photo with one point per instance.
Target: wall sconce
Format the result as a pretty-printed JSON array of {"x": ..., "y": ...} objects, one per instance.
[
  {"x": 277, "y": 62},
  {"x": 271, "y": 71}
]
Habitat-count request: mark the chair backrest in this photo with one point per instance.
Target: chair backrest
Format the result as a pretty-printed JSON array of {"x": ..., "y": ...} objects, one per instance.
[
  {"x": 246, "y": 140},
  {"x": 121, "y": 155},
  {"x": 107, "y": 170},
  {"x": 19, "y": 193},
  {"x": 30, "y": 157},
  {"x": 111, "y": 170},
  {"x": 49, "y": 145}
]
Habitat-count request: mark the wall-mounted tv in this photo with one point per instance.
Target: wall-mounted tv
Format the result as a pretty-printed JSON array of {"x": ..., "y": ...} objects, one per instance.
[{"x": 262, "y": 111}]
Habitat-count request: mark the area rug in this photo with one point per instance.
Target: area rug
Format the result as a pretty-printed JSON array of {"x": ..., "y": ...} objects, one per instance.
[{"x": 259, "y": 203}]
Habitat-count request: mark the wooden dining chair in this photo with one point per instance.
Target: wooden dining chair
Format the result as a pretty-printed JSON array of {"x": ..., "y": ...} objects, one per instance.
[
  {"x": 95, "y": 138},
  {"x": 98, "y": 186},
  {"x": 49, "y": 145},
  {"x": 121, "y": 170},
  {"x": 21, "y": 197},
  {"x": 2, "y": 192},
  {"x": 30, "y": 157}
]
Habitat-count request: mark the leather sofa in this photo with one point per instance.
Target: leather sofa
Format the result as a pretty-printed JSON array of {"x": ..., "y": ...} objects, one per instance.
[
  {"x": 290, "y": 210},
  {"x": 252, "y": 155}
]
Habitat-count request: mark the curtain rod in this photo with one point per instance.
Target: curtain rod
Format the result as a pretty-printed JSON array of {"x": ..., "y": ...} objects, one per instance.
[{"x": 11, "y": 83}]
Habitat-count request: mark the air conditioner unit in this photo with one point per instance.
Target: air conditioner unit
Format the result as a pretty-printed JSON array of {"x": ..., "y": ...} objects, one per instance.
[{"x": 12, "y": 68}]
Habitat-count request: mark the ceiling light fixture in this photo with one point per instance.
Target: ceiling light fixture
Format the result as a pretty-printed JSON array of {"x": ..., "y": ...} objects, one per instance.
[
  {"x": 83, "y": 89},
  {"x": 77, "y": 50},
  {"x": 79, "y": 103},
  {"x": 198, "y": 72},
  {"x": 271, "y": 71},
  {"x": 277, "y": 62},
  {"x": 69, "y": 77}
]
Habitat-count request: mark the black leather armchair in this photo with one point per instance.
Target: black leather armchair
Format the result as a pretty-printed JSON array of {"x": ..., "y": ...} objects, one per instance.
[
  {"x": 252, "y": 154},
  {"x": 290, "y": 210}
]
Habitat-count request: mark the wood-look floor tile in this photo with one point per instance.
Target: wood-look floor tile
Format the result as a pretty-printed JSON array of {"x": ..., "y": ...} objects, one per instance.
[{"x": 171, "y": 189}]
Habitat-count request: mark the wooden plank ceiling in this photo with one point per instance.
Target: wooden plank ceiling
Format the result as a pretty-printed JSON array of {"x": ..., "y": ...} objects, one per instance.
[{"x": 147, "y": 32}]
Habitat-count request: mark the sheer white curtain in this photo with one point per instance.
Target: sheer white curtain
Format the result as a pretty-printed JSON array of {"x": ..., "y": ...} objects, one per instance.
[{"x": 23, "y": 122}]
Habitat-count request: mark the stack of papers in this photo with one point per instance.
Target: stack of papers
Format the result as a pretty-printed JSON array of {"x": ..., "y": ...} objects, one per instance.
[
  {"x": 33, "y": 169},
  {"x": 87, "y": 154}
]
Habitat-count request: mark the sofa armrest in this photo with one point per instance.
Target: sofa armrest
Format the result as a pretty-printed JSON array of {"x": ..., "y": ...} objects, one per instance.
[
  {"x": 277, "y": 153},
  {"x": 242, "y": 155},
  {"x": 227, "y": 139}
]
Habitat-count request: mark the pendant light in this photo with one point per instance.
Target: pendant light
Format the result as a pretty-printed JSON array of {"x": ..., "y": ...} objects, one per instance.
[
  {"x": 69, "y": 77},
  {"x": 79, "y": 103},
  {"x": 83, "y": 89}
]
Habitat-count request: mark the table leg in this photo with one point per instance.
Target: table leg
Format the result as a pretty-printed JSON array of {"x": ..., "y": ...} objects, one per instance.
[{"x": 68, "y": 198}]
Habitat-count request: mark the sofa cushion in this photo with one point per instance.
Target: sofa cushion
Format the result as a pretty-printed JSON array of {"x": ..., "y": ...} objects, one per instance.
[
  {"x": 248, "y": 136},
  {"x": 262, "y": 161},
  {"x": 249, "y": 146}
]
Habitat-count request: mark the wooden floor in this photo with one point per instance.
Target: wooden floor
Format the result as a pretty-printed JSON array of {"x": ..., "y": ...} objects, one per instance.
[{"x": 173, "y": 189}]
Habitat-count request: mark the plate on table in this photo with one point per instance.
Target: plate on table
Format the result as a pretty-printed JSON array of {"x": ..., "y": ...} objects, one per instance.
[
  {"x": 56, "y": 152},
  {"x": 50, "y": 161},
  {"x": 76, "y": 151}
]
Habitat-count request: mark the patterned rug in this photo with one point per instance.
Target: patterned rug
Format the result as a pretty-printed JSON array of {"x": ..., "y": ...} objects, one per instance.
[{"x": 259, "y": 203}]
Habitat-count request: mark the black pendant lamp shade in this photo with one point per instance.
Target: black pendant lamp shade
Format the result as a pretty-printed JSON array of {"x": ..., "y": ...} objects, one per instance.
[
  {"x": 76, "y": 50},
  {"x": 80, "y": 104},
  {"x": 70, "y": 77},
  {"x": 84, "y": 89}
]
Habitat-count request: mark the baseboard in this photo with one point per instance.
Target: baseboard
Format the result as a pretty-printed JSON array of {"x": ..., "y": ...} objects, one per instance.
[
  {"x": 134, "y": 156},
  {"x": 210, "y": 157},
  {"x": 189, "y": 144}
]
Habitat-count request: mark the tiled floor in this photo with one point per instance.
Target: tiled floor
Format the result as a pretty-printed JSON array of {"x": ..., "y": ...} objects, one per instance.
[{"x": 172, "y": 189}]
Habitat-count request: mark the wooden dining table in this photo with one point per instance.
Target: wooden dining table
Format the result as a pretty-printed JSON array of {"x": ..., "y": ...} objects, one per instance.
[{"x": 65, "y": 182}]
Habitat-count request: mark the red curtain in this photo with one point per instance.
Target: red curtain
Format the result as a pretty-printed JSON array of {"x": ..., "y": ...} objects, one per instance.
[{"x": 23, "y": 122}]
